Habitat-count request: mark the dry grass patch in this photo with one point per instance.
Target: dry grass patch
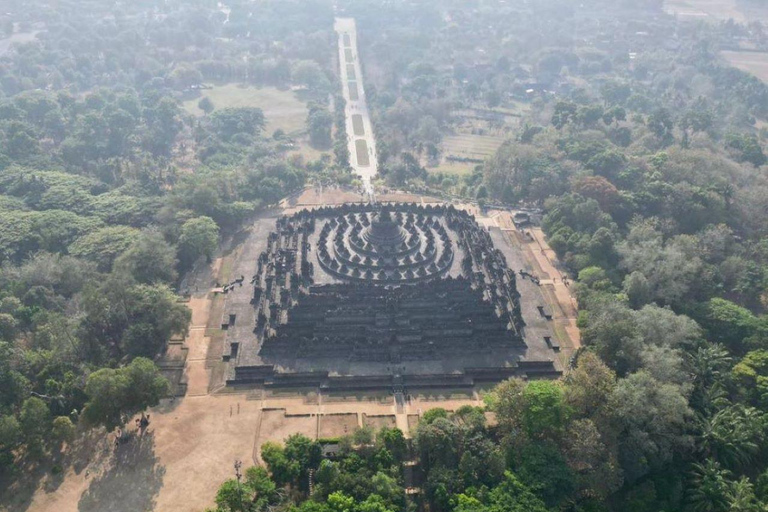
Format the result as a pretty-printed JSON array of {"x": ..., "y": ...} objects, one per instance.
[
  {"x": 337, "y": 425},
  {"x": 17, "y": 38},
  {"x": 710, "y": 10},
  {"x": 379, "y": 421},
  {"x": 755, "y": 63},
  {"x": 475, "y": 147},
  {"x": 282, "y": 109}
]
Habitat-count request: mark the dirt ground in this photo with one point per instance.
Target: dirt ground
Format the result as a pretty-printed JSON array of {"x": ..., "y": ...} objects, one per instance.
[
  {"x": 337, "y": 425},
  {"x": 377, "y": 422}
]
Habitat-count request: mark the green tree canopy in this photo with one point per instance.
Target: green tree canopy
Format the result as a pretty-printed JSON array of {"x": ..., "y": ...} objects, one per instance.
[
  {"x": 198, "y": 237},
  {"x": 114, "y": 394}
]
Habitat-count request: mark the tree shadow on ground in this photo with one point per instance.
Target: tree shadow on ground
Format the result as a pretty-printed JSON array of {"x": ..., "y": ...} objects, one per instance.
[
  {"x": 17, "y": 488},
  {"x": 89, "y": 447},
  {"x": 168, "y": 405},
  {"x": 130, "y": 482}
]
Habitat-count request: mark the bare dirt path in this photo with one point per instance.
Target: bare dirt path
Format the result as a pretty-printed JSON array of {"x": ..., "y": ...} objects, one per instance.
[
  {"x": 555, "y": 285},
  {"x": 197, "y": 373},
  {"x": 546, "y": 258}
]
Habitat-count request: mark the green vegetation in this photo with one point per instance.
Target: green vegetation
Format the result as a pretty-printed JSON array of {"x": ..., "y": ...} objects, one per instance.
[
  {"x": 120, "y": 170},
  {"x": 111, "y": 190},
  {"x": 572, "y": 445}
]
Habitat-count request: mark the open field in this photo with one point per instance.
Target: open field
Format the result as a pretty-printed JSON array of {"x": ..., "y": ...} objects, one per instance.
[
  {"x": 17, "y": 38},
  {"x": 478, "y": 133},
  {"x": 282, "y": 109},
  {"x": 755, "y": 63},
  {"x": 712, "y": 10},
  {"x": 337, "y": 425},
  {"x": 716, "y": 10},
  {"x": 379, "y": 421},
  {"x": 457, "y": 168},
  {"x": 477, "y": 147},
  {"x": 472, "y": 146}
]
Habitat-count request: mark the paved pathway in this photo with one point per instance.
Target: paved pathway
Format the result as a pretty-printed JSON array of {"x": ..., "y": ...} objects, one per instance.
[{"x": 362, "y": 144}]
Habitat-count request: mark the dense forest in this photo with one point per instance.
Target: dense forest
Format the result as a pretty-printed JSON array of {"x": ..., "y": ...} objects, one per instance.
[
  {"x": 110, "y": 192},
  {"x": 644, "y": 150}
]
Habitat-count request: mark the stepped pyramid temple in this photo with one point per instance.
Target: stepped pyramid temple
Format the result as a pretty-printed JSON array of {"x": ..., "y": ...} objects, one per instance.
[{"x": 365, "y": 297}]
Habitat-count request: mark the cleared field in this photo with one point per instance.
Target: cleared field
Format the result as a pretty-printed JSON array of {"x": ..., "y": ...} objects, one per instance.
[
  {"x": 711, "y": 10},
  {"x": 361, "y": 148},
  {"x": 458, "y": 168},
  {"x": 353, "y": 94},
  {"x": 348, "y": 55},
  {"x": 357, "y": 125},
  {"x": 347, "y": 40},
  {"x": 337, "y": 425},
  {"x": 475, "y": 147},
  {"x": 755, "y": 63},
  {"x": 17, "y": 38},
  {"x": 282, "y": 109},
  {"x": 380, "y": 421},
  {"x": 471, "y": 146},
  {"x": 351, "y": 72},
  {"x": 276, "y": 425}
]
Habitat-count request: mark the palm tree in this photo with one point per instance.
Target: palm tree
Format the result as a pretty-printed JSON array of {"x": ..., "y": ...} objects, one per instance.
[
  {"x": 742, "y": 497},
  {"x": 707, "y": 365},
  {"x": 711, "y": 489},
  {"x": 732, "y": 435}
]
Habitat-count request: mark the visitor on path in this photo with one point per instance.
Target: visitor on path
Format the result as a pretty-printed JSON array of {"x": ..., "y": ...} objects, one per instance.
[{"x": 143, "y": 423}]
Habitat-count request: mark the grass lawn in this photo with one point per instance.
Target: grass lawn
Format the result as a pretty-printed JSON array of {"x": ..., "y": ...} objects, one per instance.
[
  {"x": 353, "y": 95},
  {"x": 459, "y": 168},
  {"x": 17, "y": 38},
  {"x": 466, "y": 146},
  {"x": 471, "y": 146},
  {"x": 357, "y": 125},
  {"x": 282, "y": 109},
  {"x": 361, "y": 148}
]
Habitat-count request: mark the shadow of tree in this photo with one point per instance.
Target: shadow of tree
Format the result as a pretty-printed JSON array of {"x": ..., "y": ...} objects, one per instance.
[
  {"x": 17, "y": 488},
  {"x": 167, "y": 405},
  {"x": 131, "y": 481}
]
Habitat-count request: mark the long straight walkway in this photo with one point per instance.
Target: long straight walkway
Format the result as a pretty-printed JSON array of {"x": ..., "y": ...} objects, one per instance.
[{"x": 362, "y": 144}]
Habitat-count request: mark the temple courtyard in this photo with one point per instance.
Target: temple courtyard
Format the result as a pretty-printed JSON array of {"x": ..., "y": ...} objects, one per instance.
[{"x": 380, "y": 378}]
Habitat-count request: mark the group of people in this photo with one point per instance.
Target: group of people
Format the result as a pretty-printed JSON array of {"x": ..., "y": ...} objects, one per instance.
[{"x": 141, "y": 424}]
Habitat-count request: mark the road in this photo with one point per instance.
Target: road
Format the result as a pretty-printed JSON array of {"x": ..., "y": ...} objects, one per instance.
[{"x": 362, "y": 144}]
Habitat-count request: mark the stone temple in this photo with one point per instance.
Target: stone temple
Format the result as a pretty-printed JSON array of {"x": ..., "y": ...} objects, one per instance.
[{"x": 380, "y": 297}]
